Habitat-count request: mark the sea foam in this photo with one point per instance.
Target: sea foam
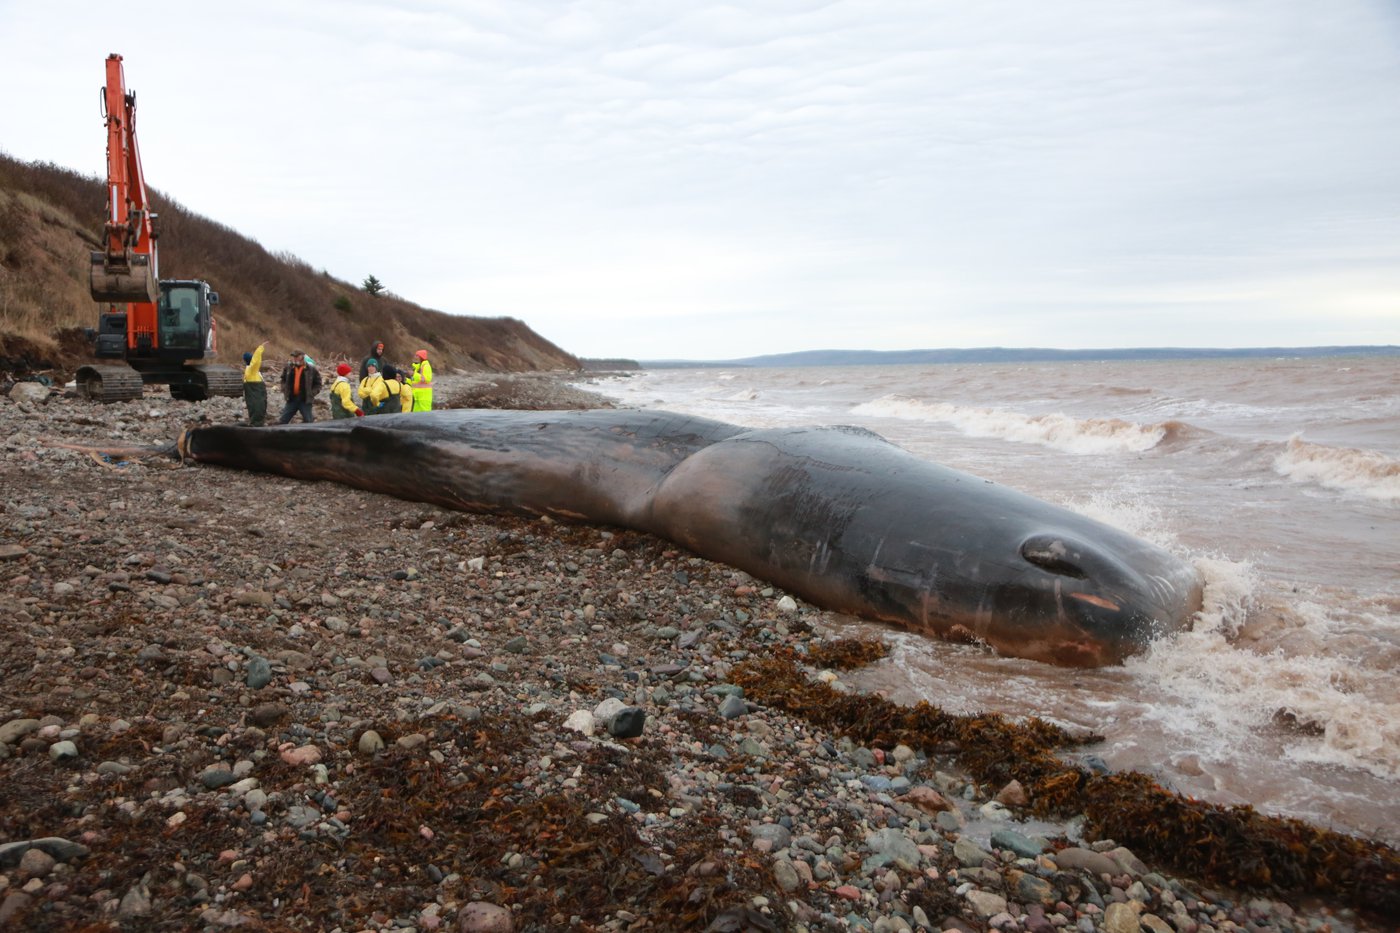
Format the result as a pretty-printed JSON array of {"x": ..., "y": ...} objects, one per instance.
[
  {"x": 1226, "y": 688},
  {"x": 1346, "y": 469},
  {"x": 1060, "y": 431}
]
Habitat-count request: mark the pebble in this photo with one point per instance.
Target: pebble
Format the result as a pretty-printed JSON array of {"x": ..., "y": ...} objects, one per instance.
[
  {"x": 16, "y": 729},
  {"x": 259, "y": 673},
  {"x": 627, "y": 723},
  {"x": 63, "y": 751},
  {"x": 732, "y": 707},
  {"x": 483, "y": 917}
]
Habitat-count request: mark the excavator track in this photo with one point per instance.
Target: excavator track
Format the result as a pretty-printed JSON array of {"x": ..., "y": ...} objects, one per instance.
[
  {"x": 224, "y": 381},
  {"x": 109, "y": 383}
]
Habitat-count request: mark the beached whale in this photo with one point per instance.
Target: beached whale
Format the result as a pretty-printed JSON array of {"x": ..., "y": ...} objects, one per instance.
[{"x": 836, "y": 515}]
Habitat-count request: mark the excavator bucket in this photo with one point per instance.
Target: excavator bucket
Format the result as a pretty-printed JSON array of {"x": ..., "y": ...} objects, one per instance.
[{"x": 120, "y": 279}]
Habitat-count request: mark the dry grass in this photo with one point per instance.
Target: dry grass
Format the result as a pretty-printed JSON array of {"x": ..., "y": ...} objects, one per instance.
[{"x": 50, "y": 218}]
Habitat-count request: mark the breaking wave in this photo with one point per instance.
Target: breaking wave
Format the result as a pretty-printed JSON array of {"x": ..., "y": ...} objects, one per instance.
[
  {"x": 1346, "y": 469},
  {"x": 1073, "y": 435}
]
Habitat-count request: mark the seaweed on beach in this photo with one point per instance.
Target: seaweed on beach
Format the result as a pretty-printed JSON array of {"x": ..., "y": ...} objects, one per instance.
[
  {"x": 1230, "y": 845},
  {"x": 555, "y": 856}
]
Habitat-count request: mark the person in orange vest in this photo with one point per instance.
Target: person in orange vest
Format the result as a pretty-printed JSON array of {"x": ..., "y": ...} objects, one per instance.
[
  {"x": 301, "y": 383},
  {"x": 422, "y": 382}
]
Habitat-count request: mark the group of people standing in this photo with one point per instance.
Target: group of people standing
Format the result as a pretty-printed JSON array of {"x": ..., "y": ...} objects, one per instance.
[{"x": 383, "y": 388}]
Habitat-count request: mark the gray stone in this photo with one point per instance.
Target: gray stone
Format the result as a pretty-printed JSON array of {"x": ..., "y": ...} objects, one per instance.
[
  {"x": 259, "y": 673},
  {"x": 732, "y": 707},
  {"x": 135, "y": 903},
  {"x": 627, "y": 723},
  {"x": 1030, "y": 889},
  {"x": 16, "y": 729},
  {"x": 898, "y": 846},
  {"x": 370, "y": 743},
  {"x": 753, "y": 747},
  {"x": 950, "y": 821},
  {"x": 214, "y": 778},
  {"x": 59, "y": 848},
  {"x": 605, "y": 710},
  {"x": 63, "y": 751},
  {"x": 299, "y": 816},
  {"x": 1023, "y": 846},
  {"x": 1130, "y": 863},
  {"x": 151, "y": 654},
  {"x": 969, "y": 853},
  {"x": 775, "y": 833},
  {"x": 1096, "y": 863},
  {"x": 786, "y": 875},
  {"x": 985, "y": 903}
]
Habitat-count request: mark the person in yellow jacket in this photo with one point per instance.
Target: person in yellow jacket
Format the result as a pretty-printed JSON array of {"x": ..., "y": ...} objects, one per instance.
[
  {"x": 373, "y": 391},
  {"x": 254, "y": 389},
  {"x": 422, "y": 381},
  {"x": 400, "y": 392},
  {"x": 342, "y": 396}
]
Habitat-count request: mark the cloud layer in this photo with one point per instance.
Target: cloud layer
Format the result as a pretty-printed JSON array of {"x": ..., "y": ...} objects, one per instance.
[{"x": 673, "y": 180}]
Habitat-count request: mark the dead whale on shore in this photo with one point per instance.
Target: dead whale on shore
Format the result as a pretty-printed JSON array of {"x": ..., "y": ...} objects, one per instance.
[{"x": 836, "y": 515}]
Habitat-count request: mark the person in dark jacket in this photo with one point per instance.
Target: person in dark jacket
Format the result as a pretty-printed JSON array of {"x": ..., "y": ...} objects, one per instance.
[
  {"x": 301, "y": 384},
  {"x": 376, "y": 355}
]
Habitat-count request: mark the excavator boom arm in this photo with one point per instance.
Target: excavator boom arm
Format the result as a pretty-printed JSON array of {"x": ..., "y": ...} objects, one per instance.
[{"x": 126, "y": 270}]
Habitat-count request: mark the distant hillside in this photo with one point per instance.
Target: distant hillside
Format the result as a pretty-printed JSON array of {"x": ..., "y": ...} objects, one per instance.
[
  {"x": 51, "y": 217},
  {"x": 1011, "y": 355}
]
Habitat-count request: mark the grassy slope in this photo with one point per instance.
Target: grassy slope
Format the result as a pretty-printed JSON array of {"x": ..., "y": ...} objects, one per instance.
[{"x": 50, "y": 218}]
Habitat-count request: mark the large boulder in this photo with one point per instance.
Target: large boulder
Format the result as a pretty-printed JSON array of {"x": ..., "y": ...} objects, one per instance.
[{"x": 32, "y": 392}]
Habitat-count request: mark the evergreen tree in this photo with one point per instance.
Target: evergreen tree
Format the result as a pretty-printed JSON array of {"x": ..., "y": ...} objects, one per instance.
[{"x": 372, "y": 285}]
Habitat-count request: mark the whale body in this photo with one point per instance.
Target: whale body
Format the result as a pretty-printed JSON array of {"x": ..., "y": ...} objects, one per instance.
[{"x": 836, "y": 515}]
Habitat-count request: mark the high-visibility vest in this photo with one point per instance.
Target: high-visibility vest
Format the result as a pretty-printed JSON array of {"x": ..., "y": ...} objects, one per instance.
[{"x": 422, "y": 386}]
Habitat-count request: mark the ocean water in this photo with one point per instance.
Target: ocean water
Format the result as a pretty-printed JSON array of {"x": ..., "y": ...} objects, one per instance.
[{"x": 1279, "y": 479}]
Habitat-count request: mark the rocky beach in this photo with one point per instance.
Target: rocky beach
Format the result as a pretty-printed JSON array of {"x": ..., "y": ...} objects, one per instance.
[{"x": 238, "y": 701}]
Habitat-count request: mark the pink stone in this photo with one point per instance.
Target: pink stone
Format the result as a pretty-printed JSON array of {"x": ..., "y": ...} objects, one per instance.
[
  {"x": 1012, "y": 795},
  {"x": 848, "y": 892},
  {"x": 244, "y": 882},
  {"x": 305, "y": 755},
  {"x": 481, "y": 917},
  {"x": 926, "y": 799}
]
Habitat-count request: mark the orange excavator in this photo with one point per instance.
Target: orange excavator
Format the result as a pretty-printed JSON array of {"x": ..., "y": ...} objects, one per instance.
[{"x": 162, "y": 331}]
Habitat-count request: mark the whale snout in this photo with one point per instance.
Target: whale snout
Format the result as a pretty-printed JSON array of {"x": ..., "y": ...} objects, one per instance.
[{"x": 1106, "y": 601}]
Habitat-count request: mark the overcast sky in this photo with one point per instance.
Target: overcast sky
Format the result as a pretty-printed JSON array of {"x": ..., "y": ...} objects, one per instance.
[{"x": 679, "y": 179}]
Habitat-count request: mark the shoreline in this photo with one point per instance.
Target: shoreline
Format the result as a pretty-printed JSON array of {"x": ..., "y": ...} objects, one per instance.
[{"x": 294, "y": 705}]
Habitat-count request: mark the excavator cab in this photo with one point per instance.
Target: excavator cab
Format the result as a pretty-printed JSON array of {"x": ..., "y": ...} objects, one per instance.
[{"x": 183, "y": 317}]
